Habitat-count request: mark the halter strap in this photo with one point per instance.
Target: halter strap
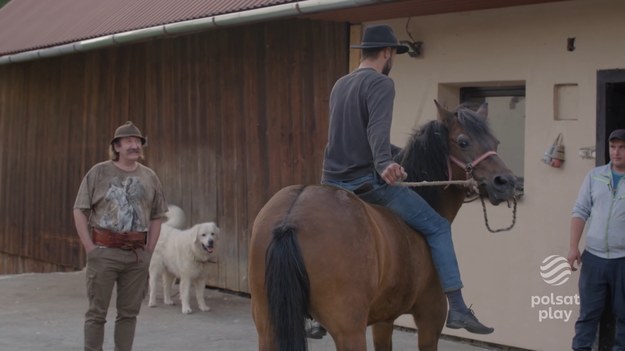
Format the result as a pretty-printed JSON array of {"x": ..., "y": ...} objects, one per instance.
[{"x": 468, "y": 167}]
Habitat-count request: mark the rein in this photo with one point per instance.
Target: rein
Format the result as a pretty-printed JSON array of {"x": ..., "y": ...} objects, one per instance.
[
  {"x": 469, "y": 183},
  {"x": 500, "y": 229}
]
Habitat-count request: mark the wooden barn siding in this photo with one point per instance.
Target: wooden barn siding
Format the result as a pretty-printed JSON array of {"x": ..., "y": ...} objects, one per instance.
[{"x": 232, "y": 115}]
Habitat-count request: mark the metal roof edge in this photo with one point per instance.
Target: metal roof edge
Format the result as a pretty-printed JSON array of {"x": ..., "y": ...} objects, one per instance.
[
  {"x": 237, "y": 18},
  {"x": 189, "y": 26},
  {"x": 311, "y": 6},
  {"x": 264, "y": 13}
]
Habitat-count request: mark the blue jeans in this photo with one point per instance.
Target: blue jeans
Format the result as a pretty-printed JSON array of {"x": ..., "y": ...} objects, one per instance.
[
  {"x": 600, "y": 279},
  {"x": 417, "y": 214}
]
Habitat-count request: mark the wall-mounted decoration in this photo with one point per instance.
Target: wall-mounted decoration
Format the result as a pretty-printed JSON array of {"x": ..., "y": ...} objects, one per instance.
[{"x": 554, "y": 156}]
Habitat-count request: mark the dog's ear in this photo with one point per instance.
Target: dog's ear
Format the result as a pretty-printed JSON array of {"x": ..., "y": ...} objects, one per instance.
[{"x": 196, "y": 233}]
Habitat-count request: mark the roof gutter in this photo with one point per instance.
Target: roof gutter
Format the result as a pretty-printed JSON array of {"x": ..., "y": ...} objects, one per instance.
[{"x": 238, "y": 18}]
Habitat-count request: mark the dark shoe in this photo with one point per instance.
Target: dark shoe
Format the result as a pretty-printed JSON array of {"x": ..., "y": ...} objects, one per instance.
[
  {"x": 315, "y": 330},
  {"x": 468, "y": 321}
]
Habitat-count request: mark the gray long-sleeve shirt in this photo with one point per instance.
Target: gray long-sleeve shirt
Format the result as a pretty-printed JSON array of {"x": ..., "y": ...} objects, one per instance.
[
  {"x": 603, "y": 210},
  {"x": 361, "y": 111}
]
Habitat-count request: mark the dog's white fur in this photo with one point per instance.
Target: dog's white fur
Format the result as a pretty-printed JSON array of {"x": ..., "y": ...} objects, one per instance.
[{"x": 184, "y": 254}]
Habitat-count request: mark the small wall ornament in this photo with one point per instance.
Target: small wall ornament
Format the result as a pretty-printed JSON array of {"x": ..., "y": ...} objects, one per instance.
[{"x": 554, "y": 156}]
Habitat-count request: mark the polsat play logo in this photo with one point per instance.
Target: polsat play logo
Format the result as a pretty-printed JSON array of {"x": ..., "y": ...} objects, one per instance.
[{"x": 555, "y": 270}]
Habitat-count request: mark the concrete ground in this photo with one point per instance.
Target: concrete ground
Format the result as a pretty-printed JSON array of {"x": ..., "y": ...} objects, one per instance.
[{"x": 45, "y": 312}]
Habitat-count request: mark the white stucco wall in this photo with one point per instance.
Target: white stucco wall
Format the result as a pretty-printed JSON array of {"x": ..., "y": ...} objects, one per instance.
[{"x": 528, "y": 45}]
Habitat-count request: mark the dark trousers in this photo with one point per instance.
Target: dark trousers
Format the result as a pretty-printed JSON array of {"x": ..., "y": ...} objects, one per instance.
[{"x": 600, "y": 279}]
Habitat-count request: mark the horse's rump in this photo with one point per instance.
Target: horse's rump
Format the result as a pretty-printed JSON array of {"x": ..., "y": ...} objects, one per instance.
[{"x": 330, "y": 224}]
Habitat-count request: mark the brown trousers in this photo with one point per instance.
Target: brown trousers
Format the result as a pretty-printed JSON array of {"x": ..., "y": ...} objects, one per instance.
[{"x": 105, "y": 268}]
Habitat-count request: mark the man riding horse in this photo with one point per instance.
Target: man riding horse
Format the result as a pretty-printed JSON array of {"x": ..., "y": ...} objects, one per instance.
[{"x": 359, "y": 158}]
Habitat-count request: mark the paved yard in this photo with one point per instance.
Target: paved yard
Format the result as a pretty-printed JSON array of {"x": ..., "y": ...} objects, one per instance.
[{"x": 45, "y": 312}]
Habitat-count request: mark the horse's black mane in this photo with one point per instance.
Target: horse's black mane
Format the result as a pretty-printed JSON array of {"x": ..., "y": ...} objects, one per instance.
[
  {"x": 425, "y": 158},
  {"x": 426, "y": 153}
]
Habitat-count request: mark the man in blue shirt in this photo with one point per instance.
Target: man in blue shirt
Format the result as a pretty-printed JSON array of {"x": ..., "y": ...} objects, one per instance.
[{"x": 600, "y": 207}]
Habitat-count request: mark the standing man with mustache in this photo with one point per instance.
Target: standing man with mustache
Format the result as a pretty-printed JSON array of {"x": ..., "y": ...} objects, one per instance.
[{"x": 117, "y": 214}]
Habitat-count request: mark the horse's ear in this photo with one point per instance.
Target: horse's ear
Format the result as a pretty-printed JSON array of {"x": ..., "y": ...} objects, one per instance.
[
  {"x": 483, "y": 110},
  {"x": 443, "y": 115}
]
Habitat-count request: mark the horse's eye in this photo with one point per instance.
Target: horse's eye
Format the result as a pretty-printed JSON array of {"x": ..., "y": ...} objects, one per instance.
[{"x": 463, "y": 143}]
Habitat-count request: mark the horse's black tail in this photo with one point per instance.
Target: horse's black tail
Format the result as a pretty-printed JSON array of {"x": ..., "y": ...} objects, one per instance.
[{"x": 288, "y": 289}]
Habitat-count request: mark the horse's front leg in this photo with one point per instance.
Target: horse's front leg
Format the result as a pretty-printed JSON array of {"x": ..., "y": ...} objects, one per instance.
[
  {"x": 382, "y": 336},
  {"x": 429, "y": 316}
]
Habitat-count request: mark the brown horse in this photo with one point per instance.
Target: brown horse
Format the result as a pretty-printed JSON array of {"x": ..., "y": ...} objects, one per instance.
[{"x": 320, "y": 251}]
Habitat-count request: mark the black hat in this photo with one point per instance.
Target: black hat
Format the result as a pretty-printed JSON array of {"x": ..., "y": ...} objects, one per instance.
[
  {"x": 380, "y": 36},
  {"x": 617, "y": 134}
]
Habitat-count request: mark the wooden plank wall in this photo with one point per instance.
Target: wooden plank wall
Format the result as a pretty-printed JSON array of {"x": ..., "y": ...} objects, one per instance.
[{"x": 232, "y": 115}]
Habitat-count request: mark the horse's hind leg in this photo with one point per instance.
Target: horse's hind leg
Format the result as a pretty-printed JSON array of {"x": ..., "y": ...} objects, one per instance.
[
  {"x": 260, "y": 315},
  {"x": 346, "y": 325},
  {"x": 356, "y": 341},
  {"x": 265, "y": 342},
  {"x": 382, "y": 336}
]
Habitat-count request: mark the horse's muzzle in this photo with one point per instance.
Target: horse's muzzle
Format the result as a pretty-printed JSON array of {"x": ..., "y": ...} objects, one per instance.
[{"x": 501, "y": 188}]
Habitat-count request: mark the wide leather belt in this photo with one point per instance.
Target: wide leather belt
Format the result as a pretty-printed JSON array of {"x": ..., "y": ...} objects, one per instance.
[{"x": 124, "y": 241}]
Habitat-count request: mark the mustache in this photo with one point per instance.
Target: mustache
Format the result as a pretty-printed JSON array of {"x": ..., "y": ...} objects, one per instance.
[{"x": 134, "y": 150}]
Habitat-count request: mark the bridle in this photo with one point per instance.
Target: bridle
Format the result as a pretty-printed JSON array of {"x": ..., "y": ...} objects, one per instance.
[
  {"x": 468, "y": 169},
  {"x": 469, "y": 182},
  {"x": 469, "y": 166}
]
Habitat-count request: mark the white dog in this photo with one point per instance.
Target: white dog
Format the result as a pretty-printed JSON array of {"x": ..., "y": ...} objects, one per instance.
[{"x": 184, "y": 254}]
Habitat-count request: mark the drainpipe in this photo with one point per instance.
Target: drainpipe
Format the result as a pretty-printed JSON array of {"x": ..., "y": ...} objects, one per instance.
[{"x": 238, "y": 18}]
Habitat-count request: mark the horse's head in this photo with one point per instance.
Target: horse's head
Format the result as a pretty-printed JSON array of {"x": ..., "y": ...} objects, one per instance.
[{"x": 473, "y": 152}]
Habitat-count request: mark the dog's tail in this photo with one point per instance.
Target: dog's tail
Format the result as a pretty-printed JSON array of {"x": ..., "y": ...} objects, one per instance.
[
  {"x": 288, "y": 289},
  {"x": 175, "y": 217}
]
